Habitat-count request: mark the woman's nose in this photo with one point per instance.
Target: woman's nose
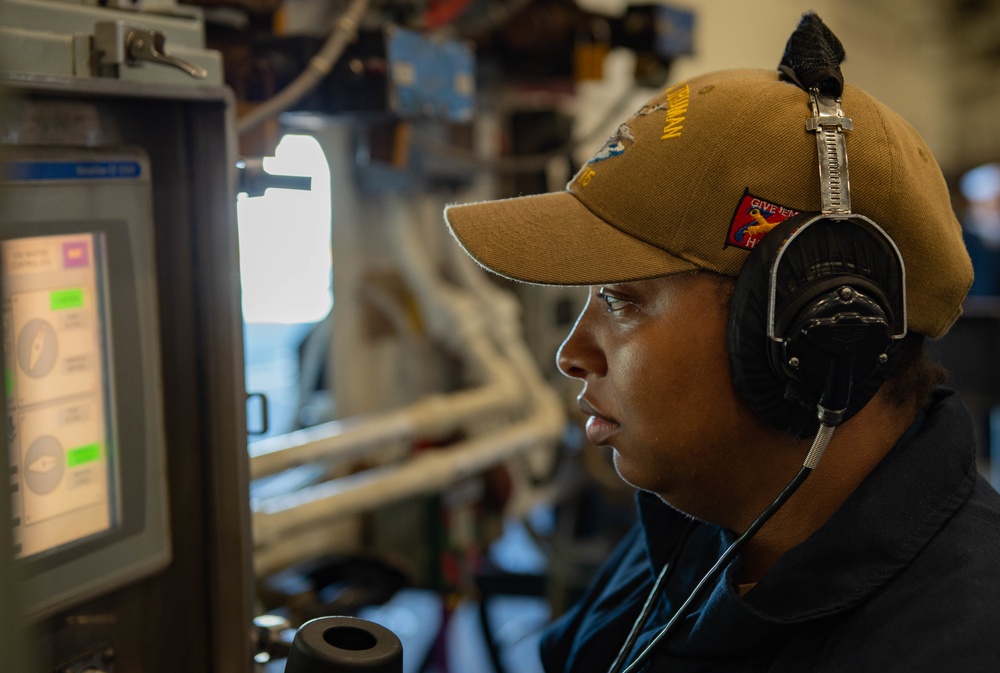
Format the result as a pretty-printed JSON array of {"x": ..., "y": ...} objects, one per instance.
[{"x": 579, "y": 354}]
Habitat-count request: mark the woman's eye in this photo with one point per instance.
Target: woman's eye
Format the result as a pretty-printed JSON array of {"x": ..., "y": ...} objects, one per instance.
[{"x": 613, "y": 303}]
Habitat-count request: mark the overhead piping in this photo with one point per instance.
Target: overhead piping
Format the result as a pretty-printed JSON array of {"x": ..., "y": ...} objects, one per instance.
[{"x": 344, "y": 32}]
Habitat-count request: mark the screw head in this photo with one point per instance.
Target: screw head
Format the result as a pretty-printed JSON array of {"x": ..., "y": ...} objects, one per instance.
[
  {"x": 846, "y": 293},
  {"x": 793, "y": 362},
  {"x": 883, "y": 358}
]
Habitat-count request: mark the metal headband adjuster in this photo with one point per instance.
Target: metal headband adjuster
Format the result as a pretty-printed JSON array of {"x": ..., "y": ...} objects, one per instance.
[{"x": 830, "y": 124}]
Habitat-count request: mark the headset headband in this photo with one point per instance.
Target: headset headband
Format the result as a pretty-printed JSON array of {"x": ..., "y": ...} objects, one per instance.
[{"x": 830, "y": 126}]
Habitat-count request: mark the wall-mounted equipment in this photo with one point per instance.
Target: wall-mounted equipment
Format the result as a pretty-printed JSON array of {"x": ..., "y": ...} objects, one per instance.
[
  {"x": 84, "y": 402},
  {"x": 119, "y": 297}
]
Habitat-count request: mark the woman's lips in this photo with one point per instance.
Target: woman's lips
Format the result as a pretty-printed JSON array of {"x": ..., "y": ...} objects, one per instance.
[
  {"x": 599, "y": 427},
  {"x": 599, "y": 431}
]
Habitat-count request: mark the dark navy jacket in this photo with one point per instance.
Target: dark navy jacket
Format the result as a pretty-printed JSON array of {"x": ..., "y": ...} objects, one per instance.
[{"x": 904, "y": 577}]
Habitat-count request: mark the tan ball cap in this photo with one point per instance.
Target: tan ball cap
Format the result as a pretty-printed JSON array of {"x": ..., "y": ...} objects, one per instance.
[{"x": 683, "y": 183}]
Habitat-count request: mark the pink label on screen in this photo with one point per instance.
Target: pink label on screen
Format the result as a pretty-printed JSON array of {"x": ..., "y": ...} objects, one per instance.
[{"x": 75, "y": 254}]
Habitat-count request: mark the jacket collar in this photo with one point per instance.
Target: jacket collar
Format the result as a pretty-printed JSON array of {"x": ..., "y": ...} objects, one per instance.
[
  {"x": 879, "y": 529},
  {"x": 883, "y": 525}
]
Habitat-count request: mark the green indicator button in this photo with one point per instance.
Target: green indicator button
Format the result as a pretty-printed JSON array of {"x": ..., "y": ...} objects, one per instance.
[
  {"x": 63, "y": 299},
  {"x": 84, "y": 454}
]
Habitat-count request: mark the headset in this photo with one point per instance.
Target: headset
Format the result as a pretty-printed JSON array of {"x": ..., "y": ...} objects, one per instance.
[
  {"x": 818, "y": 310},
  {"x": 820, "y": 304}
]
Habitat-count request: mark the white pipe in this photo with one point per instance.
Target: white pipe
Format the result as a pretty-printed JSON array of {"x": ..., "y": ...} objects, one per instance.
[
  {"x": 452, "y": 317},
  {"x": 506, "y": 312},
  {"x": 338, "y": 537},
  {"x": 432, "y": 417},
  {"x": 425, "y": 473},
  {"x": 482, "y": 305},
  {"x": 459, "y": 316}
]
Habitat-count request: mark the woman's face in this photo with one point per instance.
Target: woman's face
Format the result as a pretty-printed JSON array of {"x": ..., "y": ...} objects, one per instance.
[{"x": 653, "y": 359}]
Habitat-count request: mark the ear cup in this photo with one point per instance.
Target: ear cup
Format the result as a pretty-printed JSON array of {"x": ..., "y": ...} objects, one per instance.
[{"x": 838, "y": 293}]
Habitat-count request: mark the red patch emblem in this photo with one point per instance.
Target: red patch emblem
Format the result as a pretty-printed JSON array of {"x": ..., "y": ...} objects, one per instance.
[{"x": 753, "y": 218}]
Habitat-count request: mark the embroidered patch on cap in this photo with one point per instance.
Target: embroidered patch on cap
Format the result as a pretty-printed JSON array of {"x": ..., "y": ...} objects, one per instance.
[
  {"x": 753, "y": 218},
  {"x": 617, "y": 144},
  {"x": 623, "y": 138}
]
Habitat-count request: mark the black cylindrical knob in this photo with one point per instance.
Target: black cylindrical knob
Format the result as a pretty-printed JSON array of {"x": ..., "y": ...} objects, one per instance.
[{"x": 344, "y": 645}]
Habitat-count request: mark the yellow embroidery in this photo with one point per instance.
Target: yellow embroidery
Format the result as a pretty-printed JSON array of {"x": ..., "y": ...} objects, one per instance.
[
  {"x": 762, "y": 226},
  {"x": 586, "y": 176},
  {"x": 677, "y": 100}
]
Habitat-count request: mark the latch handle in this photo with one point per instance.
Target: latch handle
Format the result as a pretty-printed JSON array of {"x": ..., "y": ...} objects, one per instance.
[
  {"x": 118, "y": 43},
  {"x": 143, "y": 44}
]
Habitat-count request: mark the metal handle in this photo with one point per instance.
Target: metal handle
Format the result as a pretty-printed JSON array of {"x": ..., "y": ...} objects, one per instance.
[{"x": 147, "y": 45}]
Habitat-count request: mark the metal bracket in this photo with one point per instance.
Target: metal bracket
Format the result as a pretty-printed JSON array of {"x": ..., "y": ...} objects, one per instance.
[
  {"x": 830, "y": 124},
  {"x": 119, "y": 42}
]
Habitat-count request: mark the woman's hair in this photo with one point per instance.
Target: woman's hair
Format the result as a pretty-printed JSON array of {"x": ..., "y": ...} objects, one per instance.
[{"x": 913, "y": 374}]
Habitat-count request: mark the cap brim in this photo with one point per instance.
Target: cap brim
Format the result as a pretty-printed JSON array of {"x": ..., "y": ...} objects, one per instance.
[{"x": 553, "y": 239}]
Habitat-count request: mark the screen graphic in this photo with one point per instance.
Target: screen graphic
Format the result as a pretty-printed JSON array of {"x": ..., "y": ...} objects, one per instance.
[{"x": 62, "y": 470}]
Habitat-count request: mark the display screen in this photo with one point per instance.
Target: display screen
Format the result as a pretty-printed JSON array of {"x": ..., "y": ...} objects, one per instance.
[{"x": 63, "y": 469}]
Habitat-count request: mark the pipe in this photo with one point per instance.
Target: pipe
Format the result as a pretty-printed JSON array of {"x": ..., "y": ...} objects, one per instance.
[
  {"x": 338, "y": 537},
  {"x": 467, "y": 319},
  {"x": 451, "y": 316},
  {"x": 424, "y": 473},
  {"x": 432, "y": 417},
  {"x": 507, "y": 319},
  {"x": 343, "y": 33}
]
